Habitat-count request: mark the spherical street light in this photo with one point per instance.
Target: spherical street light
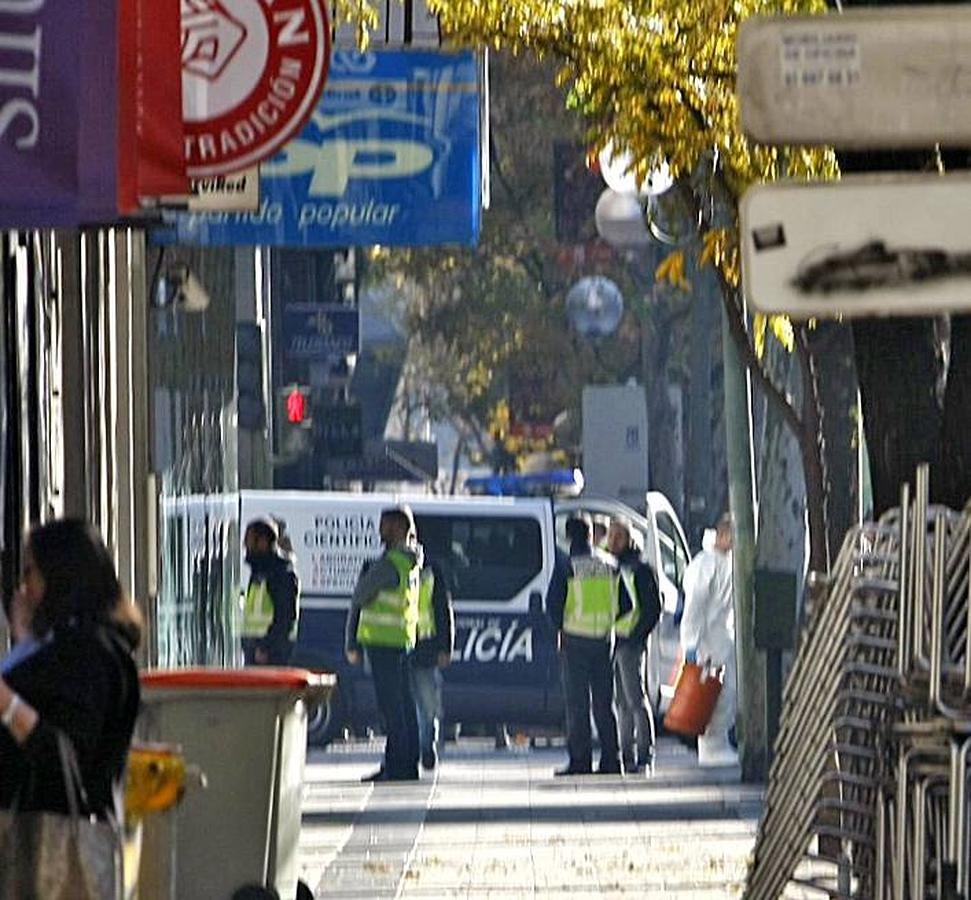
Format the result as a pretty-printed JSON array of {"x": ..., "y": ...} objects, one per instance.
[
  {"x": 595, "y": 306},
  {"x": 616, "y": 170},
  {"x": 620, "y": 220},
  {"x": 659, "y": 180}
]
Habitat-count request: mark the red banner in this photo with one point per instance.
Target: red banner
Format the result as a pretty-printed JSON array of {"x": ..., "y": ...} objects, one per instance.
[{"x": 151, "y": 160}]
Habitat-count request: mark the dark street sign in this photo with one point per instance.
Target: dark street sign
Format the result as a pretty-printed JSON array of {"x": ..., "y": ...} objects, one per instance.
[
  {"x": 319, "y": 333},
  {"x": 389, "y": 461},
  {"x": 339, "y": 431}
]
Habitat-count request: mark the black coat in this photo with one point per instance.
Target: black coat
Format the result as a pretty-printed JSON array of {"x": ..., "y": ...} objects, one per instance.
[
  {"x": 84, "y": 683},
  {"x": 648, "y": 597},
  {"x": 284, "y": 587},
  {"x": 426, "y": 651}
]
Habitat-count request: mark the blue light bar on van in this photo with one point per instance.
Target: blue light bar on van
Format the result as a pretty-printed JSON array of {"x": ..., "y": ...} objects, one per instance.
[{"x": 556, "y": 483}]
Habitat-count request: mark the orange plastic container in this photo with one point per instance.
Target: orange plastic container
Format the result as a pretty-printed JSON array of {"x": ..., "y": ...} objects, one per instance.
[{"x": 695, "y": 696}]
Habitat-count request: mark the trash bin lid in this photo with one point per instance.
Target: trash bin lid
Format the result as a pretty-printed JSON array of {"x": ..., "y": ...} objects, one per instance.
[{"x": 270, "y": 677}]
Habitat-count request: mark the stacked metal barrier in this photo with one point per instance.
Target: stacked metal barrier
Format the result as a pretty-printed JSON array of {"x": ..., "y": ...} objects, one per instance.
[{"x": 867, "y": 796}]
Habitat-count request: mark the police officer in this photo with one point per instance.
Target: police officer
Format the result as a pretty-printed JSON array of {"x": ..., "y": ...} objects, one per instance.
[
  {"x": 271, "y": 607},
  {"x": 583, "y": 602},
  {"x": 384, "y": 621},
  {"x": 433, "y": 652},
  {"x": 634, "y": 714}
]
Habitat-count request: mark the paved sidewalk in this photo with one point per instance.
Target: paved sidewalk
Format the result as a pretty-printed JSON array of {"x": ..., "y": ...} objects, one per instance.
[{"x": 497, "y": 824}]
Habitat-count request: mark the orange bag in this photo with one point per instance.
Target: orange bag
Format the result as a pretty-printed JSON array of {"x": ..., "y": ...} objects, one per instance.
[{"x": 695, "y": 696}]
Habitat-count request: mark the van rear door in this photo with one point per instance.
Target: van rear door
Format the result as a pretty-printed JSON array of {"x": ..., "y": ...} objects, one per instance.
[{"x": 497, "y": 557}]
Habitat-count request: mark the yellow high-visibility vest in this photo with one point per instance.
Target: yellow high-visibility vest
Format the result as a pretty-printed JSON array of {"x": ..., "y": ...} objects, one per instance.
[
  {"x": 591, "y": 597},
  {"x": 391, "y": 618},
  {"x": 257, "y": 610},
  {"x": 426, "y": 610}
]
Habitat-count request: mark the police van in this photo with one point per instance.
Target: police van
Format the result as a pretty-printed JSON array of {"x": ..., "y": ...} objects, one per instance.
[{"x": 497, "y": 557}]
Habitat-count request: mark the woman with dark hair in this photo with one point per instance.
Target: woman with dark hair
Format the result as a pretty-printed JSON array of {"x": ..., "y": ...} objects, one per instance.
[{"x": 71, "y": 672}]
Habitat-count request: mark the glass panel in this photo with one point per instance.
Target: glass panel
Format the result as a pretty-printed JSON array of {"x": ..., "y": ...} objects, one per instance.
[
  {"x": 483, "y": 558},
  {"x": 668, "y": 542},
  {"x": 194, "y": 453}
]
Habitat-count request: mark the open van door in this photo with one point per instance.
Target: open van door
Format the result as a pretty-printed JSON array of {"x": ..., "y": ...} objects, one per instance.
[{"x": 672, "y": 560}]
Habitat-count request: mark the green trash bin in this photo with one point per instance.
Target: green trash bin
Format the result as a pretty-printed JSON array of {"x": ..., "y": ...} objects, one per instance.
[{"x": 247, "y": 730}]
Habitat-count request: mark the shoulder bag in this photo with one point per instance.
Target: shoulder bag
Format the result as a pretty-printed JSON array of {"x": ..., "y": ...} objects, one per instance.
[{"x": 53, "y": 856}]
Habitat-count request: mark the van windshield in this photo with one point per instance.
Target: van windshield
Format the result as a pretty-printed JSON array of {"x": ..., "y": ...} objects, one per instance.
[
  {"x": 492, "y": 558},
  {"x": 640, "y": 538}
]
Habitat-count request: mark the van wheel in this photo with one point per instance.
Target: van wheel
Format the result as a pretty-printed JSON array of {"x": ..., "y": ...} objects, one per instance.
[{"x": 326, "y": 721}]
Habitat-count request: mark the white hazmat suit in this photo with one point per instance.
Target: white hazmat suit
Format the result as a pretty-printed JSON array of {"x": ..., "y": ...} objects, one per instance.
[{"x": 708, "y": 627}]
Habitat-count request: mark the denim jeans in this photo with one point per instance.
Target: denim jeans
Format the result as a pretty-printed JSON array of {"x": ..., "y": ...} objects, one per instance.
[{"x": 426, "y": 685}]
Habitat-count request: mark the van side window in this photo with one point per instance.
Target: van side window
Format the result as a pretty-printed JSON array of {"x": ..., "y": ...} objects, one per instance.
[
  {"x": 680, "y": 557},
  {"x": 483, "y": 558},
  {"x": 673, "y": 556}
]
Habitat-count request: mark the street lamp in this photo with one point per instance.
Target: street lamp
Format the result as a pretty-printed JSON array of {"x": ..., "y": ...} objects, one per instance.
[
  {"x": 595, "y": 306},
  {"x": 620, "y": 220},
  {"x": 616, "y": 171}
]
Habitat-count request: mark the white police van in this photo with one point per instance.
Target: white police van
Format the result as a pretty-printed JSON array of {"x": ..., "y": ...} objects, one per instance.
[{"x": 497, "y": 555}]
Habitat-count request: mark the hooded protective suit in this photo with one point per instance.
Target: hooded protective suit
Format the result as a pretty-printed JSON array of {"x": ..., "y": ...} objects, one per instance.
[{"x": 708, "y": 628}]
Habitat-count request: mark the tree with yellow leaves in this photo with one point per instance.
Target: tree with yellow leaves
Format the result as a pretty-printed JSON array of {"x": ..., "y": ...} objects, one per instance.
[
  {"x": 489, "y": 328},
  {"x": 656, "y": 80}
]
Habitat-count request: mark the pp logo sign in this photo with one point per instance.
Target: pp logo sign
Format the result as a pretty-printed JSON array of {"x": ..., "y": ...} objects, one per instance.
[
  {"x": 337, "y": 160},
  {"x": 252, "y": 72}
]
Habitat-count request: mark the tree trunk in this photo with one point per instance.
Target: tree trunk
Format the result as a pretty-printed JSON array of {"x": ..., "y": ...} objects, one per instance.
[
  {"x": 953, "y": 483},
  {"x": 810, "y": 437},
  {"x": 831, "y": 344},
  {"x": 457, "y": 462},
  {"x": 805, "y": 427},
  {"x": 782, "y": 494},
  {"x": 898, "y": 371}
]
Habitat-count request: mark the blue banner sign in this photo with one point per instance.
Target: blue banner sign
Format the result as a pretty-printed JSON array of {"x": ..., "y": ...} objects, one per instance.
[
  {"x": 322, "y": 333},
  {"x": 391, "y": 156}
]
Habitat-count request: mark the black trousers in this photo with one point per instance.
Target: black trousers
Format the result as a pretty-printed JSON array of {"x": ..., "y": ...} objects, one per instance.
[
  {"x": 279, "y": 655},
  {"x": 392, "y": 685},
  {"x": 588, "y": 673}
]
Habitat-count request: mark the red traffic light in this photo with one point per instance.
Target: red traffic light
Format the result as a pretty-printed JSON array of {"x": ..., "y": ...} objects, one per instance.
[{"x": 296, "y": 407}]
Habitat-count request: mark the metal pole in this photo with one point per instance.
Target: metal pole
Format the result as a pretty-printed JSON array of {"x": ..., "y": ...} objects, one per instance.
[{"x": 750, "y": 718}]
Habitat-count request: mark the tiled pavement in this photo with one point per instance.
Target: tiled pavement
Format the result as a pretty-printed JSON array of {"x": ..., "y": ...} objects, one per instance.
[{"x": 497, "y": 824}]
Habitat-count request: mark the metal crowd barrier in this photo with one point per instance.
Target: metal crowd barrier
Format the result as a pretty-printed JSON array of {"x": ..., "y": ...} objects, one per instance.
[{"x": 868, "y": 791}]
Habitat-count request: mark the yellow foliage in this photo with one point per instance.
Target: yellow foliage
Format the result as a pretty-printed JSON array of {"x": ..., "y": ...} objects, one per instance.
[
  {"x": 758, "y": 334},
  {"x": 779, "y": 326},
  {"x": 655, "y": 78},
  {"x": 499, "y": 420},
  {"x": 360, "y": 13},
  {"x": 671, "y": 269},
  {"x": 720, "y": 249},
  {"x": 782, "y": 329}
]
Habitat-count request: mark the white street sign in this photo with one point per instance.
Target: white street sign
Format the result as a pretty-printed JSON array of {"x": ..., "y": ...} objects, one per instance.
[
  {"x": 392, "y": 28},
  {"x": 237, "y": 192},
  {"x": 865, "y": 246},
  {"x": 888, "y": 77}
]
